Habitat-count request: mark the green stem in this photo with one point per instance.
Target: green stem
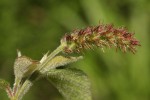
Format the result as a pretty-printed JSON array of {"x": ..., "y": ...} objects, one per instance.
[
  {"x": 26, "y": 86},
  {"x": 52, "y": 55},
  {"x": 22, "y": 91},
  {"x": 16, "y": 85}
]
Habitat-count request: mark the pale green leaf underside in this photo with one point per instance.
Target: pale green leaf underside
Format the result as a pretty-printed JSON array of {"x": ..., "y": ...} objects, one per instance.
[
  {"x": 73, "y": 84},
  {"x": 59, "y": 61}
]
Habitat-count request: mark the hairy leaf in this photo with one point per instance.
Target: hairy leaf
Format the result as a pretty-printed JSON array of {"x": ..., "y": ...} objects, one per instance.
[
  {"x": 73, "y": 84},
  {"x": 59, "y": 61},
  {"x": 24, "y": 67}
]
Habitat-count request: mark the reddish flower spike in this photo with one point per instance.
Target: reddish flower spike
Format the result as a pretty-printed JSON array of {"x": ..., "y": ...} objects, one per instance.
[{"x": 100, "y": 36}]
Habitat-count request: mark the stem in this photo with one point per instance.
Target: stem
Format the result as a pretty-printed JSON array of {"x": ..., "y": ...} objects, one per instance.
[
  {"x": 9, "y": 92},
  {"x": 24, "y": 89},
  {"x": 16, "y": 85},
  {"x": 52, "y": 55}
]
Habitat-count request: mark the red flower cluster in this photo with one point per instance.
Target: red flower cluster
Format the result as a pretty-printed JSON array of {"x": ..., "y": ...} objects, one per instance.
[{"x": 100, "y": 36}]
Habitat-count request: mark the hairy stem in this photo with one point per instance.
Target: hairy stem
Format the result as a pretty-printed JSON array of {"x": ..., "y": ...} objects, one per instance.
[
  {"x": 52, "y": 55},
  {"x": 24, "y": 89},
  {"x": 9, "y": 92},
  {"x": 16, "y": 85}
]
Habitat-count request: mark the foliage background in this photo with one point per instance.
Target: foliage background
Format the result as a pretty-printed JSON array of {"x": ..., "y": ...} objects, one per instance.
[{"x": 36, "y": 26}]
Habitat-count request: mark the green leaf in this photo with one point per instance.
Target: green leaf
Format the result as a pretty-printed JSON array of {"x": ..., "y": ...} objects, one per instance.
[
  {"x": 24, "y": 67},
  {"x": 59, "y": 61},
  {"x": 3, "y": 84},
  {"x": 73, "y": 84}
]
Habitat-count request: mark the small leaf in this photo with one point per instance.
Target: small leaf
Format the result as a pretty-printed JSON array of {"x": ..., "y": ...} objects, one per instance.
[
  {"x": 19, "y": 53},
  {"x": 44, "y": 57},
  {"x": 3, "y": 84},
  {"x": 73, "y": 84},
  {"x": 24, "y": 67},
  {"x": 59, "y": 61}
]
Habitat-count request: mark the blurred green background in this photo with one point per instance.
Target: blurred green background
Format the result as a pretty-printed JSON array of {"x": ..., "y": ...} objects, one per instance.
[{"x": 36, "y": 26}]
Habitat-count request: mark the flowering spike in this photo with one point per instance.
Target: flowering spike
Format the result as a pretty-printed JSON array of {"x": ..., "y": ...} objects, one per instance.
[{"x": 100, "y": 36}]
